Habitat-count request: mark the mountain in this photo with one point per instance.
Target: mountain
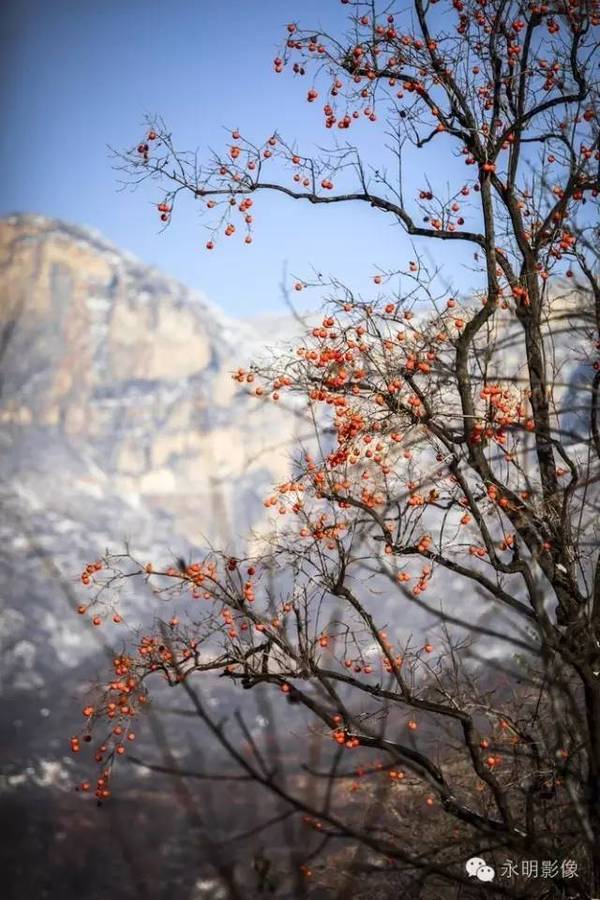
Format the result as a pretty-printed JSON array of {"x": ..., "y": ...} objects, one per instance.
[{"x": 120, "y": 422}]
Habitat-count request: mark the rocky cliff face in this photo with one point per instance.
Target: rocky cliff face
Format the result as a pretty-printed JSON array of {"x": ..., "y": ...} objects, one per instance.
[{"x": 126, "y": 369}]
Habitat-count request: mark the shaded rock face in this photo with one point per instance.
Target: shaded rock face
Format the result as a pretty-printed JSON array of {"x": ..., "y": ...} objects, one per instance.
[{"x": 131, "y": 371}]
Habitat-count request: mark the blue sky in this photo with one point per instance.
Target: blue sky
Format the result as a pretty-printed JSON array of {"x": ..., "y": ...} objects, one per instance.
[{"x": 78, "y": 75}]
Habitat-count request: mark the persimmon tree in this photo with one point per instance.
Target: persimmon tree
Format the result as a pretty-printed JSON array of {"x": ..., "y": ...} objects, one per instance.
[{"x": 452, "y": 469}]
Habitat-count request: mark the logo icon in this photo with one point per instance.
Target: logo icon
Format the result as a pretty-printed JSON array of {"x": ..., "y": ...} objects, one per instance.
[{"x": 478, "y": 868}]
